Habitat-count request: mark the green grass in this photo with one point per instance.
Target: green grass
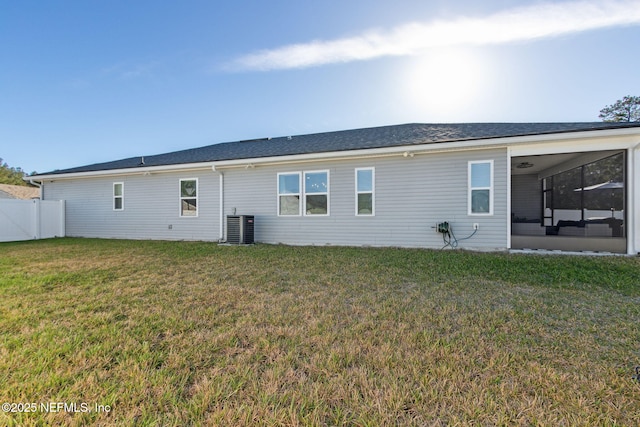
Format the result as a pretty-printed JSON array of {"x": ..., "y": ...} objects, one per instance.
[{"x": 187, "y": 333}]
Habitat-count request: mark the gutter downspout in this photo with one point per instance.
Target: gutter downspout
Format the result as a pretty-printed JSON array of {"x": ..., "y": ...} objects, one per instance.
[
  {"x": 40, "y": 186},
  {"x": 221, "y": 191}
]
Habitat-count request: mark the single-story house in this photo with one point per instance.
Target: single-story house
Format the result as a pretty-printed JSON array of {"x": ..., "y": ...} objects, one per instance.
[
  {"x": 497, "y": 186},
  {"x": 21, "y": 192}
]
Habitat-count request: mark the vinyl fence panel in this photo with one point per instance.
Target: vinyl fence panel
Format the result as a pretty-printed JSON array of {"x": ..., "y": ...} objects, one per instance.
[{"x": 31, "y": 219}]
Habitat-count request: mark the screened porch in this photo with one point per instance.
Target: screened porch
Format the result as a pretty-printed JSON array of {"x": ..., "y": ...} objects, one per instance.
[{"x": 569, "y": 202}]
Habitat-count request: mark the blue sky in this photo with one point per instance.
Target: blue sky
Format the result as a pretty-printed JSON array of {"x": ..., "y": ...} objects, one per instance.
[{"x": 91, "y": 81}]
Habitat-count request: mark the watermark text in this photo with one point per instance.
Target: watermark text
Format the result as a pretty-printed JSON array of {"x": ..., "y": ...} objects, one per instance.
[{"x": 52, "y": 407}]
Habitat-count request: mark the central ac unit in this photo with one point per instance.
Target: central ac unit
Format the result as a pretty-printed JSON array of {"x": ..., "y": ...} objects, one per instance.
[{"x": 240, "y": 229}]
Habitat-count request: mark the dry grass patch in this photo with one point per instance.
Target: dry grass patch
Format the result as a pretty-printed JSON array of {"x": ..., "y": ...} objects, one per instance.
[{"x": 179, "y": 333}]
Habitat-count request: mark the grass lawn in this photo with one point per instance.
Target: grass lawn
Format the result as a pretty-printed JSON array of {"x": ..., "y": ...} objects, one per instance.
[{"x": 188, "y": 333}]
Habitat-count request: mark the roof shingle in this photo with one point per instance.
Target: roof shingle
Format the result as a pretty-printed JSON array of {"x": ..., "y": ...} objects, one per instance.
[
  {"x": 356, "y": 139},
  {"x": 8, "y": 191}
]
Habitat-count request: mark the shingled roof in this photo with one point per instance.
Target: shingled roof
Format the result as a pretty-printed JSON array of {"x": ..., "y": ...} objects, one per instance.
[
  {"x": 8, "y": 191},
  {"x": 357, "y": 139}
]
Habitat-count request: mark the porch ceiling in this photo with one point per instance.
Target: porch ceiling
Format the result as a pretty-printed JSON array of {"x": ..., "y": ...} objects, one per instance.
[
  {"x": 527, "y": 165},
  {"x": 538, "y": 163}
]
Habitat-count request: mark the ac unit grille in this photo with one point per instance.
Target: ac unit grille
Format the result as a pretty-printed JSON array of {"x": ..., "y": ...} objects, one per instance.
[{"x": 240, "y": 229}]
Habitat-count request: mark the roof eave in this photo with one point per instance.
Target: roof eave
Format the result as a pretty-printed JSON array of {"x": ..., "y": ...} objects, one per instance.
[
  {"x": 142, "y": 170},
  {"x": 426, "y": 147},
  {"x": 430, "y": 147}
]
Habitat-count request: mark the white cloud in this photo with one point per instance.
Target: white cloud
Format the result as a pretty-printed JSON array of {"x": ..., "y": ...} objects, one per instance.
[
  {"x": 130, "y": 71},
  {"x": 520, "y": 24}
]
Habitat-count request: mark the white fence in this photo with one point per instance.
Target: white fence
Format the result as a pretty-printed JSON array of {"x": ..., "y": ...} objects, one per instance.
[{"x": 31, "y": 219}]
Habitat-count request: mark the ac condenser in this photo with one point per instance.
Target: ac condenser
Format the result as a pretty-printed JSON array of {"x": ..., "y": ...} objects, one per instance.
[{"x": 240, "y": 229}]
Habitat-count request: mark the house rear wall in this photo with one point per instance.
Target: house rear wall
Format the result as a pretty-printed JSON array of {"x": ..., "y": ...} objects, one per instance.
[
  {"x": 151, "y": 207},
  {"x": 412, "y": 195}
]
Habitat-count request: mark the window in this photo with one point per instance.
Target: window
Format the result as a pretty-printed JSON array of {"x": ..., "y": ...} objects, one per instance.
[
  {"x": 312, "y": 190},
  {"x": 289, "y": 193},
  {"x": 481, "y": 187},
  {"x": 118, "y": 196},
  {"x": 189, "y": 197},
  {"x": 365, "y": 187},
  {"x": 316, "y": 193}
]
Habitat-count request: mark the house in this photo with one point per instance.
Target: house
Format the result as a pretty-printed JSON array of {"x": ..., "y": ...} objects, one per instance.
[
  {"x": 497, "y": 186},
  {"x": 8, "y": 191}
]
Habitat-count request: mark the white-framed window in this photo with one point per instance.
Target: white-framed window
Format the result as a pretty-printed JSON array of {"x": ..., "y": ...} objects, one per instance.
[
  {"x": 480, "y": 178},
  {"x": 189, "y": 197},
  {"x": 316, "y": 193},
  {"x": 289, "y": 194},
  {"x": 118, "y": 196},
  {"x": 365, "y": 191}
]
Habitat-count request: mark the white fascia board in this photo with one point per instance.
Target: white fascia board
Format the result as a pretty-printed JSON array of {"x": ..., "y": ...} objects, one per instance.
[
  {"x": 578, "y": 139},
  {"x": 614, "y": 139},
  {"x": 366, "y": 153},
  {"x": 126, "y": 171},
  {"x": 588, "y": 140},
  {"x": 295, "y": 158}
]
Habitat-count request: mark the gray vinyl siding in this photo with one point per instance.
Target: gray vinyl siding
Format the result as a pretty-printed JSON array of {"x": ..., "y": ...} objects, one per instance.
[
  {"x": 151, "y": 205},
  {"x": 411, "y": 194}
]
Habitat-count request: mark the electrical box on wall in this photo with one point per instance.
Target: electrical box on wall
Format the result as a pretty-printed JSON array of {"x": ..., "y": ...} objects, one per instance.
[{"x": 442, "y": 227}]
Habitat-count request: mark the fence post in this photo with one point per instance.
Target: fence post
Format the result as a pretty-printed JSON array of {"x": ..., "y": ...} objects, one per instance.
[
  {"x": 35, "y": 219},
  {"x": 62, "y": 222}
]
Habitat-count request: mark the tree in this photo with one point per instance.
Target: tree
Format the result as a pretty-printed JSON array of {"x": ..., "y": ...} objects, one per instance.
[
  {"x": 626, "y": 109},
  {"x": 9, "y": 175}
]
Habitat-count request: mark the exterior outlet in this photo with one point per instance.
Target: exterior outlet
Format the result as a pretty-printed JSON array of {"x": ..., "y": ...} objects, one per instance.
[{"x": 476, "y": 225}]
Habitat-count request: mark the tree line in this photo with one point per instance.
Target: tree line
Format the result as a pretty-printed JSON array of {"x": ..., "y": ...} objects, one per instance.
[
  {"x": 11, "y": 175},
  {"x": 626, "y": 109}
]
